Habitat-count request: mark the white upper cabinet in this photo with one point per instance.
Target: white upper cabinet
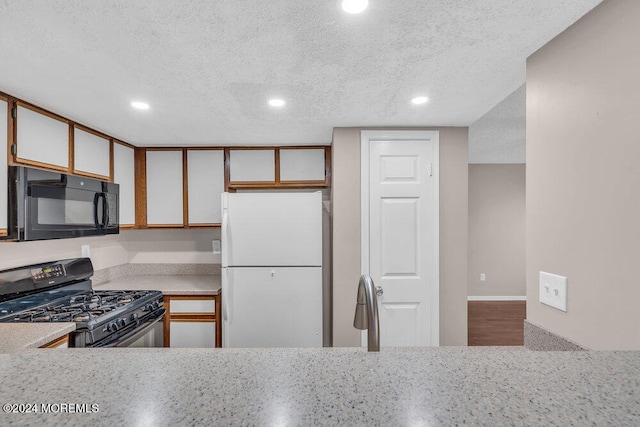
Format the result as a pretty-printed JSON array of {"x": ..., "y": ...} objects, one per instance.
[
  {"x": 3, "y": 164},
  {"x": 42, "y": 139},
  {"x": 91, "y": 153},
  {"x": 302, "y": 164},
  {"x": 124, "y": 173},
  {"x": 252, "y": 165},
  {"x": 164, "y": 188},
  {"x": 205, "y": 178}
]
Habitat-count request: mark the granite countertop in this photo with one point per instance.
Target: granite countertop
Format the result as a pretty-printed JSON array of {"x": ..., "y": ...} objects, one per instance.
[
  {"x": 168, "y": 284},
  {"x": 332, "y": 386},
  {"x": 16, "y": 337}
]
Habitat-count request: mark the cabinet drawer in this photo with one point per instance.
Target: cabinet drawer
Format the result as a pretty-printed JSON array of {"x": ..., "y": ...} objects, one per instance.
[{"x": 192, "y": 306}]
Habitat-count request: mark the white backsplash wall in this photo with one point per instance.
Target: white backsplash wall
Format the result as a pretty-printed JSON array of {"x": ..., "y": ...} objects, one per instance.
[
  {"x": 106, "y": 251},
  {"x": 190, "y": 246}
]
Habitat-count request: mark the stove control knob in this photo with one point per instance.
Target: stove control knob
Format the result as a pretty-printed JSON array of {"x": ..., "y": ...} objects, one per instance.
[
  {"x": 121, "y": 323},
  {"x": 113, "y": 327},
  {"x": 133, "y": 317},
  {"x": 155, "y": 305}
]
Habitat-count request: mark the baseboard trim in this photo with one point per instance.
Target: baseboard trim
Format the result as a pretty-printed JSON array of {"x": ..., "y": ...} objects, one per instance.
[{"x": 496, "y": 298}]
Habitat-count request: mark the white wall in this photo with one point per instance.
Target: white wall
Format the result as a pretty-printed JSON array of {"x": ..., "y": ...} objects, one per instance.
[
  {"x": 583, "y": 175},
  {"x": 497, "y": 230},
  {"x": 190, "y": 246}
]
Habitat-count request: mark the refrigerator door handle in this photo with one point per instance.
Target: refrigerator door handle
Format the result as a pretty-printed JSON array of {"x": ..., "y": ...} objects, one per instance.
[
  {"x": 227, "y": 294},
  {"x": 226, "y": 243}
]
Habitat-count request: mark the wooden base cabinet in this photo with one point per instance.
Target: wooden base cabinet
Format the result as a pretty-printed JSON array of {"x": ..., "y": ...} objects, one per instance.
[
  {"x": 192, "y": 321},
  {"x": 62, "y": 342}
]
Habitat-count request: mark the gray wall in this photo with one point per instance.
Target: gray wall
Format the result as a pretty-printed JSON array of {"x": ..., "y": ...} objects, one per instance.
[
  {"x": 583, "y": 177},
  {"x": 453, "y": 233},
  {"x": 497, "y": 229}
]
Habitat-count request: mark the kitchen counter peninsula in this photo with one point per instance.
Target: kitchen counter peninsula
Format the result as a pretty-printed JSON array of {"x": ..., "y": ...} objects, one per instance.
[
  {"x": 330, "y": 386},
  {"x": 16, "y": 337}
]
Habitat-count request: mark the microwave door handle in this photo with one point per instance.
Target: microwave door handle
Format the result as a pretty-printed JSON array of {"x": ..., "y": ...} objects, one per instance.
[
  {"x": 105, "y": 211},
  {"x": 96, "y": 197}
]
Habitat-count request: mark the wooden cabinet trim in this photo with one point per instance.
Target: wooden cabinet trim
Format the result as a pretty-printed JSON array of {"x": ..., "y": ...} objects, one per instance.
[
  {"x": 185, "y": 189},
  {"x": 140, "y": 165},
  {"x": 57, "y": 342},
  {"x": 193, "y": 317},
  {"x": 215, "y": 317}
]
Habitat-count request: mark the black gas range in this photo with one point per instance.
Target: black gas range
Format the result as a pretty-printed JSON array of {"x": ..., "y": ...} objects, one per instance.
[{"x": 61, "y": 291}]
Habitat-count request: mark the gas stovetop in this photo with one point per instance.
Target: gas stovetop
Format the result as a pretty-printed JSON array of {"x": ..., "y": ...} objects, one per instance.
[{"x": 99, "y": 315}]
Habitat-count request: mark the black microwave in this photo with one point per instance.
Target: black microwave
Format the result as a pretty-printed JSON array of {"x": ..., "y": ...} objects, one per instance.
[{"x": 50, "y": 205}]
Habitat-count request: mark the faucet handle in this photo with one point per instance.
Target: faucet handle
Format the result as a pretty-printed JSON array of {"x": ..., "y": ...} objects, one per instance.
[{"x": 379, "y": 291}]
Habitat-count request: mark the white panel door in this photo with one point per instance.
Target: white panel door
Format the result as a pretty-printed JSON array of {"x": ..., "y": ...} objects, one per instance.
[
  {"x": 42, "y": 139},
  {"x": 124, "y": 173},
  {"x": 272, "y": 229},
  {"x": 3, "y": 164},
  {"x": 164, "y": 188},
  {"x": 403, "y": 238},
  {"x": 272, "y": 307},
  {"x": 205, "y": 185},
  {"x": 91, "y": 153}
]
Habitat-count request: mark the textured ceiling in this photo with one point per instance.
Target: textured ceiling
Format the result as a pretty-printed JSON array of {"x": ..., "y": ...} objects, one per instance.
[
  {"x": 208, "y": 67},
  {"x": 499, "y": 136}
]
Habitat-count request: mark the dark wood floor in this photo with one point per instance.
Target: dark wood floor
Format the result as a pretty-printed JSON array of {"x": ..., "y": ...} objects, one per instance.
[{"x": 496, "y": 322}]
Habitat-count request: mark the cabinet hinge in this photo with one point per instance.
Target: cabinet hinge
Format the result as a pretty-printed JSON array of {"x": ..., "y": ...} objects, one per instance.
[
  {"x": 14, "y": 149},
  {"x": 14, "y": 112},
  {"x": 430, "y": 169}
]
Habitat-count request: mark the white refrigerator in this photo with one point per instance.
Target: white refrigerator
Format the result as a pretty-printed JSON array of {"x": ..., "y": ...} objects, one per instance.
[{"x": 272, "y": 269}]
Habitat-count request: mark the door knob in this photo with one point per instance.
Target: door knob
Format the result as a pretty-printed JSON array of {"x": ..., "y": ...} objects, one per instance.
[{"x": 379, "y": 291}]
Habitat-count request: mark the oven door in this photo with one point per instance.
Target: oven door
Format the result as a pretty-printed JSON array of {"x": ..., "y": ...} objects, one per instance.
[{"x": 147, "y": 334}]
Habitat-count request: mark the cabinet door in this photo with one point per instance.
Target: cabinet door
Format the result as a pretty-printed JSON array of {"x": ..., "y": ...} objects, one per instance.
[
  {"x": 193, "y": 334},
  {"x": 42, "y": 139},
  {"x": 124, "y": 174},
  {"x": 205, "y": 177},
  {"x": 91, "y": 154},
  {"x": 164, "y": 188},
  {"x": 3, "y": 166},
  {"x": 252, "y": 165},
  {"x": 303, "y": 164}
]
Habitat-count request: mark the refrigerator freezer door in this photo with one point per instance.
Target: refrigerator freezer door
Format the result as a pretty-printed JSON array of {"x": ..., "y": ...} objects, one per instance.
[
  {"x": 272, "y": 229},
  {"x": 272, "y": 307}
]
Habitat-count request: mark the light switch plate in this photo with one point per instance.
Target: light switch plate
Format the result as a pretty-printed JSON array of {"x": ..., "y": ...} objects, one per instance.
[
  {"x": 85, "y": 251},
  {"x": 553, "y": 290},
  {"x": 217, "y": 248}
]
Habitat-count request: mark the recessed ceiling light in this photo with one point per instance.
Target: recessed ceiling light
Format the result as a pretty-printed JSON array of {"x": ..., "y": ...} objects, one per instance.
[
  {"x": 140, "y": 105},
  {"x": 354, "y": 6},
  {"x": 419, "y": 100},
  {"x": 276, "y": 102}
]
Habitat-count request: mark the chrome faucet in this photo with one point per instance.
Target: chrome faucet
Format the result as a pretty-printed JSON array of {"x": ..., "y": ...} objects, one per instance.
[{"x": 367, "y": 312}]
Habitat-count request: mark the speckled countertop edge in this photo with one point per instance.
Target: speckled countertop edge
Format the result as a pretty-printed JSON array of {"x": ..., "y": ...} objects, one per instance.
[
  {"x": 167, "y": 284},
  {"x": 16, "y": 337},
  {"x": 327, "y": 386}
]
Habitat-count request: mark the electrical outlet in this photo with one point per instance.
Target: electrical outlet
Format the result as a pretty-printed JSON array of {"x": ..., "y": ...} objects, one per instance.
[
  {"x": 553, "y": 290},
  {"x": 217, "y": 248},
  {"x": 483, "y": 277},
  {"x": 86, "y": 251}
]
